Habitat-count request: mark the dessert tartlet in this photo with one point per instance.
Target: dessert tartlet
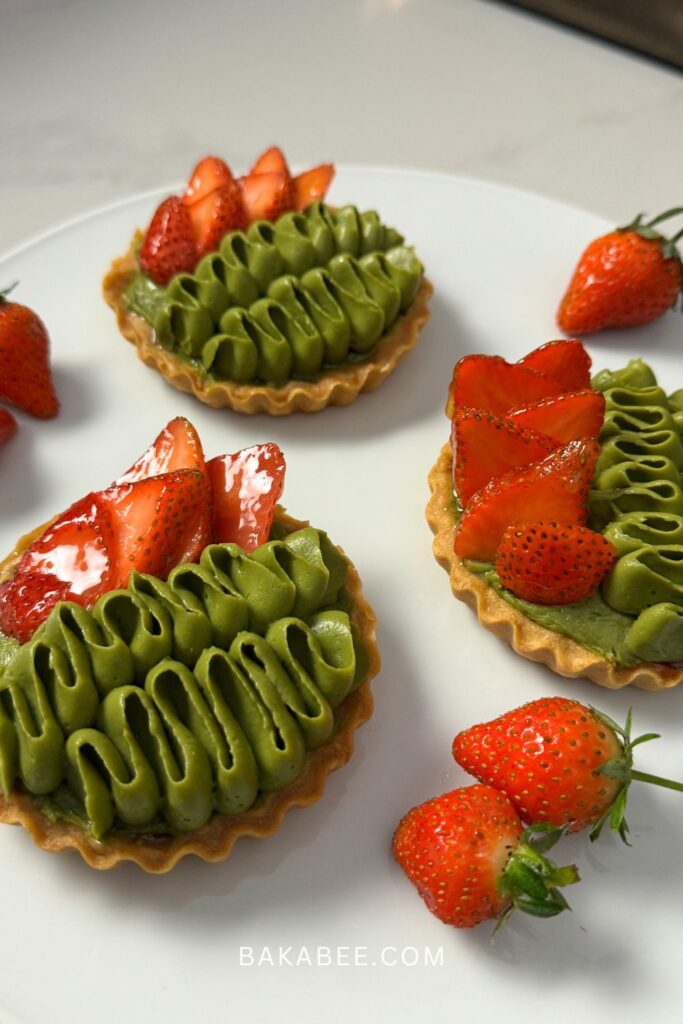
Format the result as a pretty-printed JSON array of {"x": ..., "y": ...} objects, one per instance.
[
  {"x": 605, "y": 454},
  {"x": 166, "y": 689},
  {"x": 285, "y": 305}
]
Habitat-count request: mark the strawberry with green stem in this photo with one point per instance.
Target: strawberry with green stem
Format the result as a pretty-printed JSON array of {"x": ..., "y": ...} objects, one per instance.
[
  {"x": 560, "y": 762},
  {"x": 471, "y": 860},
  {"x": 628, "y": 277}
]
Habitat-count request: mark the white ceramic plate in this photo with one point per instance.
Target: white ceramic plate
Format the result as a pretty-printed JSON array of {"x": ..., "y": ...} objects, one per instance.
[{"x": 76, "y": 944}]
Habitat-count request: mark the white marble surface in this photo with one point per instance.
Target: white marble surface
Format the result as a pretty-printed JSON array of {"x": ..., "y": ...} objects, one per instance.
[{"x": 102, "y": 99}]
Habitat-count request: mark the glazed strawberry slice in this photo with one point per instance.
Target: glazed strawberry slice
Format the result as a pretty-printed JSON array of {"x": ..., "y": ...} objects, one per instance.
[
  {"x": 567, "y": 362},
  {"x": 311, "y": 185},
  {"x": 555, "y": 488},
  {"x": 71, "y": 560},
  {"x": 550, "y": 563},
  {"x": 158, "y": 522},
  {"x": 266, "y": 196},
  {"x": 215, "y": 215},
  {"x": 246, "y": 487},
  {"x": 176, "y": 447},
  {"x": 8, "y": 426},
  {"x": 567, "y": 417},
  {"x": 168, "y": 247},
  {"x": 210, "y": 173},
  {"x": 486, "y": 446},
  {"x": 489, "y": 382},
  {"x": 271, "y": 162}
]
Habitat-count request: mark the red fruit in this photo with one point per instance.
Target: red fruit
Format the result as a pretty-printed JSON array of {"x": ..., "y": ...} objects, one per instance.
[
  {"x": 559, "y": 762},
  {"x": 176, "y": 447},
  {"x": 470, "y": 859},
  {"x": 215, "y": 215},
  {"x": 210, "y": 173},
  {"x": 555, "y": 488},
  {"x": 266, "y": 196},
  {"x": 168, "y": 247},
  {"x": 272, "y": 161},
  {"x": 25, "y": 377},
  {"x": 628, "y": 277},
  {"x": 567, "y": 362},
  {"x": 550, "y": 563},
  {"x": 246, "y": 487},
  {"x": 488, "y": 382},
  {"x": 486, "y": 446},
  {"x": 158, "y": 522},
  {"x": 311, "y": 185},
  {"x": 567, "y": 417},
  {"x": 71, "y": 560},
  {"x": 8, "y": 425},
  {"x": 27, "y": 600}
]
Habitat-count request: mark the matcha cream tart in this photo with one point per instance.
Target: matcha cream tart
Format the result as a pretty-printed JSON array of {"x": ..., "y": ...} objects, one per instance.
[
  {"x": 630, "y": 632},
  {"x": 291, "y": 315},
  {"x": 174, "y": 717}
]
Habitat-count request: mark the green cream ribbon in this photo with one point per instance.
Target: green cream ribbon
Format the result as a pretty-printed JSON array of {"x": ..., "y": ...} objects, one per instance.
[
  {"x": 171, "y": 700},
  {"x": 638, "y": 500},
  {"x": 285, "y": 299}
]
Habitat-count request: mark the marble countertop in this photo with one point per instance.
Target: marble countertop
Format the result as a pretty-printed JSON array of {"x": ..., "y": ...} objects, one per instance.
[{"x": 105, "y": 99}]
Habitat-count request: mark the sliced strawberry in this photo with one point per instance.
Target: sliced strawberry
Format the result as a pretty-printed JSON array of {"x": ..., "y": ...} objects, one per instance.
[
  {"x": 71, "y": 560},
  {"x": 210, "y": 173},
  {"x": 215, "y": 215},
  {"x": 246, "y": 487},
  {"x": 159, "y": 522},
  {"x": 486, "y": 446},
  {"x": 8, "y": 425},
  {"x": 168, "y": 247},
  {"x": 272, "y": 161},
  {"x": 27, "y": 600},
  {"x": 554, "y": 489},
  {"x": 177, "y": 447},
  {"x": 266, "y": 196},
  {"x": 311, "y": 185},
  {"x": 567, "y": 362},
  {"x": 551, "y": 563},
  {"x": 567, "y": 417},
  {"x": 488, "y": 382}
]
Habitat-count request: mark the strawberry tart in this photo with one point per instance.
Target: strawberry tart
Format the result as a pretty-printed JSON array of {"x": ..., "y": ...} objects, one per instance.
[
  {"x": 558, "y": 512},
  {"x": 180, "y": 661},
  {"x": 253, "y": 294}
]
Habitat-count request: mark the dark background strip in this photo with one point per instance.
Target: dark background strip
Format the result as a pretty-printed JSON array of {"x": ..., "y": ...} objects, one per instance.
[{"x": 653, "y": 27}]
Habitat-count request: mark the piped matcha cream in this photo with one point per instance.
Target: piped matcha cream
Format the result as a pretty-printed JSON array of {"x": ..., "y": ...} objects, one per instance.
[
  {"x": 286, "y": 298},
  {"x": 169, "y": 701},
  {"x": 637, "y": 500}
]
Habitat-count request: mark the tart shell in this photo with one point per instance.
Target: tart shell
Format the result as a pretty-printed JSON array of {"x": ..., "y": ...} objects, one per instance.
[
  {"x": 214, "y": 840},
  {"x": 338, "y": 385},
  {"x": 559, "y": 653}
]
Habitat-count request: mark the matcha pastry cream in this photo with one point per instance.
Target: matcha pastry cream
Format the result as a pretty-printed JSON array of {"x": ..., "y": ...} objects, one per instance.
[
  {"x": 290, "y": 315},
  {"x": 630, "y": 630}
]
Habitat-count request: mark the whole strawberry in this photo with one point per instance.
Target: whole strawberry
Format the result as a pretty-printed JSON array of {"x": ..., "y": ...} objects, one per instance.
[
  {"x": 558, "y": 761},
  {"x": 552, "y": 563},
  {"x": 628, "y": 277},
  {"x": 25, "y": 376},
  {"x": 471, "y": 860}
]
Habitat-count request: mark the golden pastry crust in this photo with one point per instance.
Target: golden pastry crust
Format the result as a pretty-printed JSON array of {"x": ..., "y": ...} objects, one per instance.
[
  {"x": 214, "y": 840},
  {"x": 339, "y": 385},
  {"x": 561, "y": 654}
]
